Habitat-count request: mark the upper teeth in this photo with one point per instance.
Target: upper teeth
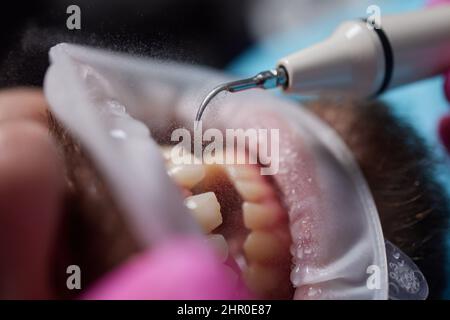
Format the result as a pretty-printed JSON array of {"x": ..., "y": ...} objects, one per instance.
[
  {"x": 187, "y": 175},
  {"x": 252, "y": 191},
  {"x": 241, "y": 172}
]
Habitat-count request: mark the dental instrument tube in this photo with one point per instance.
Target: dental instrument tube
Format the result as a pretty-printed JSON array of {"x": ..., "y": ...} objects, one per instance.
[{"x": 361, "y": 60}]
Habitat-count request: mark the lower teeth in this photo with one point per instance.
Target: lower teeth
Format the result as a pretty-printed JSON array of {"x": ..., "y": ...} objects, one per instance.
[
  {"x": 251, "y": 236},
  {"x": 220, "y": 245}
]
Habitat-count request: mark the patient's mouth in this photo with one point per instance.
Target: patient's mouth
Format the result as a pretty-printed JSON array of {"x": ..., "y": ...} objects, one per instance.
[
  {"x": 263, "y": 227},
  {"x": 241, "y": 213},
  {"x": 281, "y": 233}
]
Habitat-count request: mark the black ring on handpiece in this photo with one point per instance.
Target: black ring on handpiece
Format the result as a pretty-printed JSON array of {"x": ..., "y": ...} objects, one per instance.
[{"x": 388, "y": 59}]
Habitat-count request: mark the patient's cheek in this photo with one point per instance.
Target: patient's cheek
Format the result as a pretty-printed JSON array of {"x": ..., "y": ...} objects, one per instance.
[{"x": 30, "y": 192}]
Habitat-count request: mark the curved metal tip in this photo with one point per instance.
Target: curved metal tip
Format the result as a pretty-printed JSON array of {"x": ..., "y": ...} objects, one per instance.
[
  {"x": 233, "y": 86},
  {"x": 265, "y": 80},
  {"x": 208, "y": 98}
]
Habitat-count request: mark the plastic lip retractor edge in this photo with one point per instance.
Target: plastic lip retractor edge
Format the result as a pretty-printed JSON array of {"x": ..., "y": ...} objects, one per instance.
[
  {"x": 406, "y": 281},
  {"x": 268, "y": 79}
]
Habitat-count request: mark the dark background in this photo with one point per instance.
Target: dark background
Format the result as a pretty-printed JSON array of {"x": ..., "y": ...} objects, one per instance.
[{"x": 195, "y": 31}]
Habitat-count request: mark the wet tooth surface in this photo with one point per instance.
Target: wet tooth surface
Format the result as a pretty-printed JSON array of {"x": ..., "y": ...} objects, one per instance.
[
  {"x": 252, "y": 191},
  {"x": 259, "y": 216},
  {"x": 218, "y": 242},
  {"x": 206, "y": 210},
  {"x": 262, "y": 246},
  {"x": 187, "y": 175}
]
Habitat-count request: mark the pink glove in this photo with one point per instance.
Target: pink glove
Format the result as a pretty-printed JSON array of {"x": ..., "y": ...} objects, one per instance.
[
  {"x": 178, "y": 270},
  {"x": 444, "y": 123}
]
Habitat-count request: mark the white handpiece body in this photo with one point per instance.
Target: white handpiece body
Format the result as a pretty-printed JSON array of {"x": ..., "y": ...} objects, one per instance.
[{"x": 357, "y": 61}]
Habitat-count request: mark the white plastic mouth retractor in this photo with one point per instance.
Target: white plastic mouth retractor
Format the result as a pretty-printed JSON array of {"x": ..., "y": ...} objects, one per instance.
[{"x": 406, "y": 281}]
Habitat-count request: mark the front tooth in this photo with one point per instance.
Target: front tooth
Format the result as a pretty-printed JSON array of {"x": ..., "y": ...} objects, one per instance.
[
  {"x": 206, "y": 210},
  {"x": 218, "y": 242},
  {"x": 262, "y": 246},
  {"x": 251, "y": 190},
  {"x": 259, "y": 216},
  {"x": 241, "y": 172},
  {"x": 261, "y": 279},
  {"x": 187, "y": 175}
]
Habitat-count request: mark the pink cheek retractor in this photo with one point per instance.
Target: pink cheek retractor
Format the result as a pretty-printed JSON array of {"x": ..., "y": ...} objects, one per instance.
[{"x": 177, "y": 269}]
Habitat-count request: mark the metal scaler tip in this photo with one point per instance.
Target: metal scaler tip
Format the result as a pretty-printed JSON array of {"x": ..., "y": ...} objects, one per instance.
[{"x": 265, "y": 80}]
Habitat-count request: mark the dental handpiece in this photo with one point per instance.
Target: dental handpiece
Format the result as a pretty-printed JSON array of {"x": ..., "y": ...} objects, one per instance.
[{"x": 360, "y": 60}]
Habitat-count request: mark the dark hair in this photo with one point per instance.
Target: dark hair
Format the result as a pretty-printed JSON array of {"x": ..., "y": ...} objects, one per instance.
[{"x": 399, "y": 170}]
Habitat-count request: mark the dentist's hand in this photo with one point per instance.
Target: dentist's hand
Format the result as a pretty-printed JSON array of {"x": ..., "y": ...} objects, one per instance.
[{"x": 31, "y": 184}]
